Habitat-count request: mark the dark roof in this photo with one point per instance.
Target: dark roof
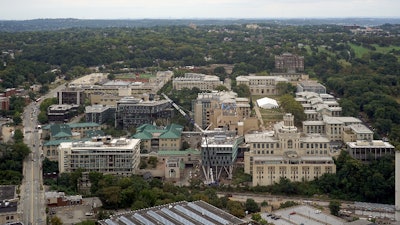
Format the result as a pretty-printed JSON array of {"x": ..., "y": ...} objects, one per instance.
[
  {"x": 7, "y": 192},
  {"x": 6, "y": 207}
]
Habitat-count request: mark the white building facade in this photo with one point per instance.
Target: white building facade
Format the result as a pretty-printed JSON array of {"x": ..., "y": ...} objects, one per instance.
[
  {"x": 103, "y": 154},
  {"x": 287, "y": 153}
]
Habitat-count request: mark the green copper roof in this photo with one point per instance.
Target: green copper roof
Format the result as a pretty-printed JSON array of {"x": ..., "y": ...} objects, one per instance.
[
  {"x": 177, "y": 152},
  {"x": 60, "y": 131},
  {"x": 145, "y": 126},
  {"x": 173, "y": 131},
  {"x": 76, "y": 125},
  {"x": 144, "y": 135},
  {"x": 94, "y": 133},
  {"x": 148, "y": 131}
]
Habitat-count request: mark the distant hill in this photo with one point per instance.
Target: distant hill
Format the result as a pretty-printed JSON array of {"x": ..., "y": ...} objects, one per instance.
[{"x": 57, "y": 24}]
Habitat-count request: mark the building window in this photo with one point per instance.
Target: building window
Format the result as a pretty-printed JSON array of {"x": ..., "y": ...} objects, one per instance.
[{"x": 290, "y": 144}]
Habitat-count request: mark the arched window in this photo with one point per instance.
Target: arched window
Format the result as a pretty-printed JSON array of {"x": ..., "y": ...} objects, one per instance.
[{"x": 290, "y": 144}]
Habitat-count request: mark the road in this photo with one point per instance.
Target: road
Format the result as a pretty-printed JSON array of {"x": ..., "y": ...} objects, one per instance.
[{"x": 33, "y": 204}]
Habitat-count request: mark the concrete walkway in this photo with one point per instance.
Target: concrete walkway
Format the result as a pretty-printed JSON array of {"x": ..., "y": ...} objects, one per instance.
[{"x": 259, "y": 116}]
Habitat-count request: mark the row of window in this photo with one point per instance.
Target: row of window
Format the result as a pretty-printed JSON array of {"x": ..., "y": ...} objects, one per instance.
[
  {"x": 10, "y": 217},
  {"x": 283, "y": 170},
  {"x": 290, "y": 145},
  {"x": 171, "y": 145},
  {"x": 291, "y": 177}
]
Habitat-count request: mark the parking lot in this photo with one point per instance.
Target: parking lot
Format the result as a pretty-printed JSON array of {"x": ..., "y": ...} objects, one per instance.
[
  {"x": 75, "y": 213},
  {"x": 301, "y": 215}
]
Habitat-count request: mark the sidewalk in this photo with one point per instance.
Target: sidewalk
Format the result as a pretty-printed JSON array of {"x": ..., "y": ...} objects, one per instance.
[{"x": 259, "y": 116}]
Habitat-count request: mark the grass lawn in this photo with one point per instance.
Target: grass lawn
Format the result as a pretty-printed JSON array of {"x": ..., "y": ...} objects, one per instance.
[
  {"x": 386, "y": 49},
  {"x": 269, "y": 116},
  {"x": 360, "y": 50}
]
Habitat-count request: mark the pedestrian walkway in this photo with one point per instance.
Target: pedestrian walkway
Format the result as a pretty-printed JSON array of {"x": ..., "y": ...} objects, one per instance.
[{"x": 259, "y": 116}]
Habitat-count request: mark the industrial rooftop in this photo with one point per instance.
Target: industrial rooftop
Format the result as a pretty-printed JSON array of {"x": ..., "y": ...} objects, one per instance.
[{"x": 179, "y": 213}]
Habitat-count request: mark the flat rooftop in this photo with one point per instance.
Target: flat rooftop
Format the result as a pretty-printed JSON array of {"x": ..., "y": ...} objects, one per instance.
[
  {"x": 7, "y": 192},
  {"x": 302, "y": 214}
]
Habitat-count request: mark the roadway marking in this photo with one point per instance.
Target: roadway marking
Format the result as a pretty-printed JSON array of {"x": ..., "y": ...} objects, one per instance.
[{"x": 32, "y": 207}]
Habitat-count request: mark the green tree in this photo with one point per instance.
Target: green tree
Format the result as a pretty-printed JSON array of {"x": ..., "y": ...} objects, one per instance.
[
  {"x": 242, "y": 90},
  {"x": 111, "y": 76},
  {"x": 256, "y": 217},
  {"x": 236, "y": 208},
  {"x": 153, "y": 161},
  {"x": 42, "y": 117},
  {"x": 290, "y": 105},
  {"x": 264, "y": 203},
  {"x": 17, "y": 118},
  {"x": 221, "y": 88},
  {"x": 55, "y": 221},
  {"x": 143, "y": 164},
  {"x": 251, "y": 206},
  {"x": 185, "y": 145},
  {"x": 17, "y": 104},
  {"x": 18, "y": 136},
  {"x": 334, "y": 207},
  {"x": 86, "y": 222},
  {"x": 219, "y": 70},
  {"x": 49, "y": 166},
  {"x": 111, "y": 196},
  {"x": 75, "y": 178},
  {"x": 285, "y": 88},
  {"x": 44, "y": 89},
  {"x": 287, "y": 204}
]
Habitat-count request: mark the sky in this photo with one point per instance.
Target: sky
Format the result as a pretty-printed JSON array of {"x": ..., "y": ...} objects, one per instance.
[{"x": 189, "y": 9}]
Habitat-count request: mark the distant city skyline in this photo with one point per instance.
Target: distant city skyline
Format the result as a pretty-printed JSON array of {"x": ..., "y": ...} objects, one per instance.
[{"x": 200, "y": 9}]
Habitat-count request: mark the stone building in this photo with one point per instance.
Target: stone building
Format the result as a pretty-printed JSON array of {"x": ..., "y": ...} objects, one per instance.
[
  {"x": 288, "y": 62},
  {"x": 369, "y": 150},
  {"x": 285, "y": 152},
  {"x": 157, "y": 138},
  {"x": 224, "y": 110},
  {"x": 198, "y": 80},
  {"x": 261, "y": 85}
]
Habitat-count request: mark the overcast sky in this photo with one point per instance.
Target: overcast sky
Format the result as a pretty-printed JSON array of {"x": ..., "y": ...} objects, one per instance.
[{"x": 178, "y": 9}]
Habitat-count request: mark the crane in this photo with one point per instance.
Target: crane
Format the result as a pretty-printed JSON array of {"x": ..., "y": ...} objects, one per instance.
[
  {"x": 184, "y": 113},
  {"x": 209, "y": 175}
]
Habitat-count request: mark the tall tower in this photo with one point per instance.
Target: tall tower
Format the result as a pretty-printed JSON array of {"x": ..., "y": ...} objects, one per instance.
[{"x": 288, "y": 124}]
